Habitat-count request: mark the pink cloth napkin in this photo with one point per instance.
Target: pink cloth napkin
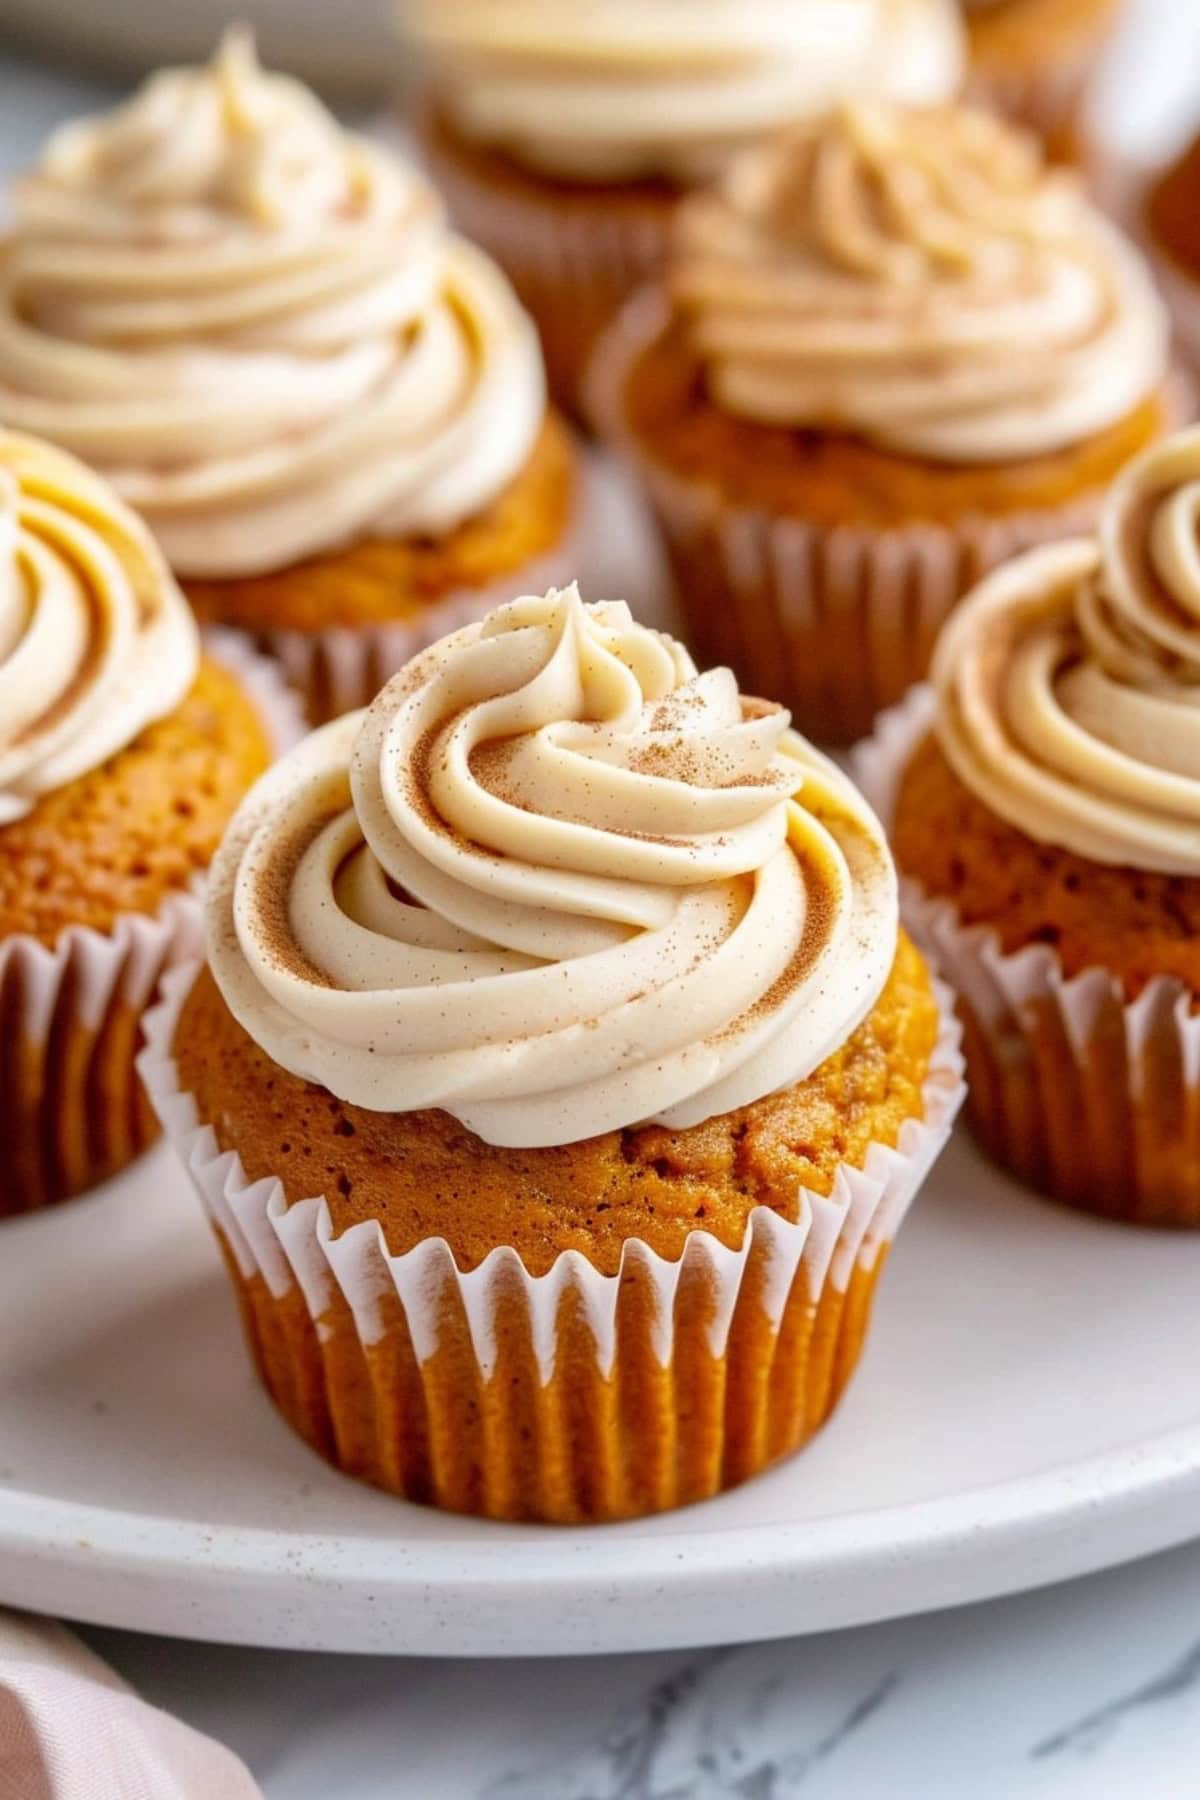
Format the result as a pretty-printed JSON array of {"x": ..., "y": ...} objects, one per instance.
[{"x": 70, "y": 1729}]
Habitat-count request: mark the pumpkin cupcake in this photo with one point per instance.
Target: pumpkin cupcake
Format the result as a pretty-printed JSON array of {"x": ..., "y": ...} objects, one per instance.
[
  {"x": 890, "y": 352},
  {"x": 1171, "y": 227},
  {"x": 331, "y": 412},
  {"x": 560, "y": 1077},
  {"x": 1035, "y": 59},
  {"x": 1045, "y": 803},
  {"x": 564, "y": 136},
  {"x": 123, "y": 754}
]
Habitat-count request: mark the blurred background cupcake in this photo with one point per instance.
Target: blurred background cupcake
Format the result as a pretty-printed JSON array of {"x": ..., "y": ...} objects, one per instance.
[
  {"x": 564, "y": 135},
  {"x": 576, "y": 1069},
  {"x": 889, "y": 351},
  {"x": 1035, "y": 60},
  {"x": 1170, "y": 220},
  {"x": 331, "y": 412},
  {"x": 1044, "y": 799},
  {"x": 123, "y": 754}
]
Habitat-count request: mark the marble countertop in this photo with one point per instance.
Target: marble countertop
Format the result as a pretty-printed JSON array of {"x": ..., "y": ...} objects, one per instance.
[{"x": 1089, "y": 1691}]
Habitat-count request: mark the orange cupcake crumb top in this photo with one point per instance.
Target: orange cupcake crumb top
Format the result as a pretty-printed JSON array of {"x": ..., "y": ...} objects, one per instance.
[
  {"x": 834, "y": 478},
  {"x": 1024, "y": 32},
  {"x": 122, "y": 837},
  {"x": 376, "y": 581},
  {"x": 423, "y": 1173},
  {"x": 1135, "y": 923}
]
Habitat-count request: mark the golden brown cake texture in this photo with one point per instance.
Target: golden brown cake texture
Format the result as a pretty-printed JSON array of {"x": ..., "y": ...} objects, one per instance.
[
  {"x": 1132, "y": 922},
  {"x": 423, "y": 1174},
  {"x": 380, "y": 581},
  {"x": 1022, "y": 33},
  {"x": 122, "y": 837},
  {"x": 834, "y": 478},
  {"x": 1036, "y": 59}
]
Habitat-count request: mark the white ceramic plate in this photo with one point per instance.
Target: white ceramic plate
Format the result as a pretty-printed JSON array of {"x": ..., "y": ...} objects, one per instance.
[{"x": 1028, "y": 1409}]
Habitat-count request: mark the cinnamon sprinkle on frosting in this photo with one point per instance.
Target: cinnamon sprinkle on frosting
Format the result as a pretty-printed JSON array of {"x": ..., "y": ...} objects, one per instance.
[{"x": 556, "y": 882}]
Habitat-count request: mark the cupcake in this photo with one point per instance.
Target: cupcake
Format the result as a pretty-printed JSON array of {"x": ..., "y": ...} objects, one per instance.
[
  {"x": 891, "y": 351},
  {"x": 564, "y": 136},
  {"x": 123, "y": 755},
  {"x": 560, "y": 1076},
  {"x": 1034, "y": 60},
  {"x": 1171, "y": 227},
  {"x": 1044, "y": 796},
  {"x": 331, "y": 412}
]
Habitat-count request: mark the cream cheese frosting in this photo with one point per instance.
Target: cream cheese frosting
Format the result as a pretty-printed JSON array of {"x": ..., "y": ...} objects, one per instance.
[
  {"x": 669, "y": 88},
  {"x": 917, "y": 277},
  {"x": 96, "y": 641},
  {"x": 258, "y": 326},
  {"x": 554, "y": 882},
  {"x": 1068, "y": 685}
]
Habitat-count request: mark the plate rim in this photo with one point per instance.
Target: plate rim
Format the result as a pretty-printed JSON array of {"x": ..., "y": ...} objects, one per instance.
[{"x": 141, "y": 1569}]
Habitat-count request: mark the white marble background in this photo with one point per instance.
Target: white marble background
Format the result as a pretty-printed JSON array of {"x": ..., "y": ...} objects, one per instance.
[
  {"x": 1084, "y": 1692},
  {"x": 1089, "y": 1691}
]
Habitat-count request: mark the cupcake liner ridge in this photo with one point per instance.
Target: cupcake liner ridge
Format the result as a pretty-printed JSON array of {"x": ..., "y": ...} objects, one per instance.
[
  {"x": 294, "y": 1245},
  {"x": 1084, "y": 1094},
  {"x": 72, "y": 1112}
]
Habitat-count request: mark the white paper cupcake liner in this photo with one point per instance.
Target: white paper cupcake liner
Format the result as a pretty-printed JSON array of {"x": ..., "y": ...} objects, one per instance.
[
  {"x": 350, "y": 1301},
  {"x": 72, "y": 1111},
  {"x": 573, "y": 267},
  {"x": 275, "y": 699},
  {"x": 1084, "y": 1094},
  {"x": 71, "y": 1108},
  {"x": 835, "y": 621},
  {"x": 339, "y": 669}
]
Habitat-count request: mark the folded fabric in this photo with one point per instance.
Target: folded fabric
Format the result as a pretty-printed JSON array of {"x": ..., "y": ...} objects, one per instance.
[{"x": 70, "y": 1729}]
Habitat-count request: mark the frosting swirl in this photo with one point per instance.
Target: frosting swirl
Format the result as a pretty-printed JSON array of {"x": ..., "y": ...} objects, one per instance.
[
  {"x": 257, "y": 326},
  {"x": 1069, "y": 684},
  {"x": 920, "y": 279},
  {"x": 555, "y": 883},
  {"x": 96, "y": 641},
  {"x": 669, "y": 88}
]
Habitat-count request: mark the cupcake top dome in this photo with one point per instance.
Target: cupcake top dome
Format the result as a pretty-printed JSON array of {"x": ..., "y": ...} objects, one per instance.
[
  {"x": 919, "y": 278},
  {"x": 669, "y": 88},
  {"x": 96, "y": 641},
  {"x": 1068, "y": 685},
  {"x": 258, "y": 326},
  {"x": 555, "y": 883}
]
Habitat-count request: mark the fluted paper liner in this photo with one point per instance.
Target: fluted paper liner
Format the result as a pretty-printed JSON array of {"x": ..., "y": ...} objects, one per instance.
[
  {"x": 835, "y": 621},
  {"x": 1085, "y": 1095},
  {"x": 568, "y": 1396},
  {"x": 573, "y": 267},
  {"x": 72, "y": 1109},
  {"x": 341, "y": 668}
]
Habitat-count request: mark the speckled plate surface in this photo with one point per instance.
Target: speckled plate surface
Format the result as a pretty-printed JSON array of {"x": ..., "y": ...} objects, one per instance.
[{"x": 1028, "y": 1409}]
